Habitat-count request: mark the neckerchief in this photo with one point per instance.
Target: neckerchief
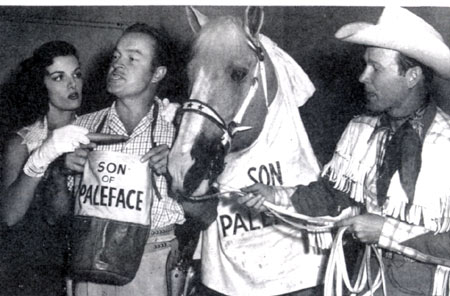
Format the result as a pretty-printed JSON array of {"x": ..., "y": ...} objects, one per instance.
[{"x": 403, "y": 150}]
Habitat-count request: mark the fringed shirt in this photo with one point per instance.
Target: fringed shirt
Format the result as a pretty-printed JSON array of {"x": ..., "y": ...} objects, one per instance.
[{"x": 418, "y": 229}]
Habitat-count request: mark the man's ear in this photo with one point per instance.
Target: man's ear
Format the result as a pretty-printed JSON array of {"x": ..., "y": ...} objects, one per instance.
[
  {"x": 413, "y": 76},
  {"x": 159, "y": 74}
]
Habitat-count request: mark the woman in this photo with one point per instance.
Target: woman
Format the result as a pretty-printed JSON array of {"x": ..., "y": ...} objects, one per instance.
[{"x": 34, "y": 196}]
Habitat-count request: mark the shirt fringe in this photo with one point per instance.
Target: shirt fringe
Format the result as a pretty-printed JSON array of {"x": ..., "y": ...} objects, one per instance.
[
  {"x": 320, "y": 240},
  {"x": 354, "y": 163},
  {"x": 441, "y": 284}
]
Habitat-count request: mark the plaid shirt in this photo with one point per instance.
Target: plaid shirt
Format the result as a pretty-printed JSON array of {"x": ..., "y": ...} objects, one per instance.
[
  {"x": 395, "y": 234},
  {"x": 165, "y": 211}
]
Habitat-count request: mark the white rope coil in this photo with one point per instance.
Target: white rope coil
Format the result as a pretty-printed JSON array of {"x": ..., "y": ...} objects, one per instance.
[{"x": 336, "y": 272}]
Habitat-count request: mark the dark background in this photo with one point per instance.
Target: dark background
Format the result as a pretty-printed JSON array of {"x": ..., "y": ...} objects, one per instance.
[{"x": 305, "y": 32}]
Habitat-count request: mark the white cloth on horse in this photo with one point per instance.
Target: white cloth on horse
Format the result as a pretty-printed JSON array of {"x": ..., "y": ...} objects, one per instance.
[{"x": 250, "y": 254}]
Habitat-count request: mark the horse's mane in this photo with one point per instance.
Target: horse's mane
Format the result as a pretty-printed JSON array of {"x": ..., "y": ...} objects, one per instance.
[{"x": 222, "y": 37}]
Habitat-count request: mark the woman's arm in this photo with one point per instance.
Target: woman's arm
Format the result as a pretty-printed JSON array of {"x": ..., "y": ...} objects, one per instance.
[
  {"x": 17, "y": 188},
  {"x": 22, "y": 171}
]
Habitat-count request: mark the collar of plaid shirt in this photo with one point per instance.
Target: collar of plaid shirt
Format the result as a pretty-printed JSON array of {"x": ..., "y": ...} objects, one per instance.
[
  {"x": 113, "y": 122},
  {"x": 150, "y": 119}
]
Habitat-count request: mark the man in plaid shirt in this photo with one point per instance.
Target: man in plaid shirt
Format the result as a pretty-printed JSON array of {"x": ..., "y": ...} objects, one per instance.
[
  {"x": 137, "y": 68},
  {"x": 392, "y": 165}
]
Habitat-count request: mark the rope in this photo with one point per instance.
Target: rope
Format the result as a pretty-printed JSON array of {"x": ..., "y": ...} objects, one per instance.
[
  {"x": 311, "y": 224},
  {"x": 336, "y": 272},
  {"x": 337, "y": 267}
]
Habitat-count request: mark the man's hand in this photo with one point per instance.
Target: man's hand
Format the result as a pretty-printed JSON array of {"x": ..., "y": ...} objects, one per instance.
[
  {"x": 75, "y": 161},
  {"x": 157, "y": 159},
  {"x": 203, "y": 212},
  {"x": 367, "y": 228},
  {"x": 169, "y": 110},
  {"x": 256, "y": 195}
]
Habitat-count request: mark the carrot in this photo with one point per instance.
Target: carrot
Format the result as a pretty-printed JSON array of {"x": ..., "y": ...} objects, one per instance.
[{"x": 105, "y": 139}]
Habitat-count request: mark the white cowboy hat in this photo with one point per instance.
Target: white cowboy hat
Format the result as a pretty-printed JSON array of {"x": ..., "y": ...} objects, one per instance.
[{"x": 401, "y": 30}]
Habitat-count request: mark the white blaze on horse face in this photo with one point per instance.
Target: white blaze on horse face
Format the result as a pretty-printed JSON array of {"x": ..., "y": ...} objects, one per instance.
[
  {"x": 180, "y": 159},
  {"x": 200, "y": 89}
]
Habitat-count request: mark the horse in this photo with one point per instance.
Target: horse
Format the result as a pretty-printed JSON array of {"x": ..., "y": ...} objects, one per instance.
[
  {"x": 239, "y": 126},
  {"x": 232, "y": 66}
]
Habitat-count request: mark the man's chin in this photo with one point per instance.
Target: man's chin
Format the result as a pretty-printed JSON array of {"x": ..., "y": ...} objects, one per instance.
[
  {"x": 112, "y": 89},
  {"x": 373, "y": 113},
  {"x": 373, "y": 110}
]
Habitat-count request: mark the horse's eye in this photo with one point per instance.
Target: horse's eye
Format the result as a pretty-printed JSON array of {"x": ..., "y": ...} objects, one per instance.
[{"x": 238, "y": 74}]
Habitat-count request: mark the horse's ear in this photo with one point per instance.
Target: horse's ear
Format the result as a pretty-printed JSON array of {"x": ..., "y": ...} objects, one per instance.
[
  {"x": 196, "y": 19},
  {"x": 254, "y": 17}
]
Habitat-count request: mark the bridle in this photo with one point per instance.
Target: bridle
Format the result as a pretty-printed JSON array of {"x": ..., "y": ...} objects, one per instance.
[{"x": 230, "y": 129}]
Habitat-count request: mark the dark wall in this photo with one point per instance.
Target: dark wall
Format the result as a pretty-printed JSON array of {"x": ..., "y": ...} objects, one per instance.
[{"x": 304, "y": 32}]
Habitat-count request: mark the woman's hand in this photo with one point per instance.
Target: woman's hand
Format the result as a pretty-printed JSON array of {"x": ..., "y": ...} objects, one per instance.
[{"x": 62, "y": 140}]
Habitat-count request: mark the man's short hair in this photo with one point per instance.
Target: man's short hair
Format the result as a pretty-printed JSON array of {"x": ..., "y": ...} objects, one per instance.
[
  {"x": 162, "y": 40},
  {"x": 404, "y": 63}
]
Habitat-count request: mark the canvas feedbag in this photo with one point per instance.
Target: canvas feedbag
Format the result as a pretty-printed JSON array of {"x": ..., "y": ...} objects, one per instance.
[{"x": 112, "y": 218}]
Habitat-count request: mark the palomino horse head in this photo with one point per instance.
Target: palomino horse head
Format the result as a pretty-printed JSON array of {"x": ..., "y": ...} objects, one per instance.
[{"x": 232, "y": 82}]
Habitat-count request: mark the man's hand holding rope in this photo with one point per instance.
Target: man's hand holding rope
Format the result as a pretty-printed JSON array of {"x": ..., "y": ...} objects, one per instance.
[
  {"x": 256, "y": 195},
  {"x": 367, "y": 227}
]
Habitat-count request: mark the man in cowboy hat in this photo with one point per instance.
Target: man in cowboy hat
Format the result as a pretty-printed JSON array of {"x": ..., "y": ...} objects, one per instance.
[{"x": 393, "y": 163}]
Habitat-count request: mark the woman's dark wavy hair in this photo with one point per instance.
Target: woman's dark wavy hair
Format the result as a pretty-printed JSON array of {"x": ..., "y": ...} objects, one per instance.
[{"x": 31, "y": 93}]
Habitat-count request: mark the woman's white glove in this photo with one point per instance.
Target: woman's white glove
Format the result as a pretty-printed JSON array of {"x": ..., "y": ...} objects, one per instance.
[{"x": 62, "y": 140}]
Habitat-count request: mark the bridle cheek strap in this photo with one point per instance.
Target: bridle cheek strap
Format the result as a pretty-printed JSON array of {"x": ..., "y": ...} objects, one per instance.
[
  {"x": 261, "y": 68},
  {"x": 256, "y": 47},
  {"x": 251, "y": 93}
]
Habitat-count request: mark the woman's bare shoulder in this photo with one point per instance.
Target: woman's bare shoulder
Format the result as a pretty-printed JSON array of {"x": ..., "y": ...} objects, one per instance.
[{"x": 15, "y": 148}]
